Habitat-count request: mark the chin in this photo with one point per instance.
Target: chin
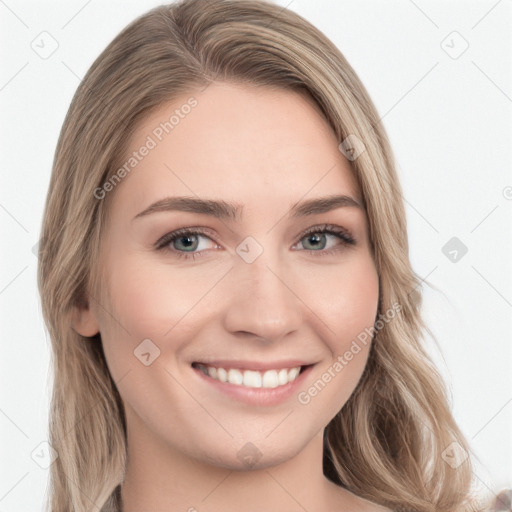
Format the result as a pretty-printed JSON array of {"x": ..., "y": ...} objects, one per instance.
[{"x": 251, "y": 456}]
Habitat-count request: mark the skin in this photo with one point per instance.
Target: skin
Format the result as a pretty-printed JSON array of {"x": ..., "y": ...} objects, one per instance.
[{"x": 267, "y": 149}]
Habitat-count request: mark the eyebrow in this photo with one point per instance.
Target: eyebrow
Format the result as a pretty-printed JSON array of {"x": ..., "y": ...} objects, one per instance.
[{"x": 232, "y": 211}]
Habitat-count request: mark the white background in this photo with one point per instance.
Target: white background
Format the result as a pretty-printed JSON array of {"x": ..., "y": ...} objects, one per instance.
[{"x": 449, "y": 124}]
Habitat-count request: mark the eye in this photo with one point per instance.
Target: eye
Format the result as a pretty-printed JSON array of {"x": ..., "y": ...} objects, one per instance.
[
  {"x": 187, "y": 238},
  {"x": 316, "y": 237},
  {"x": 185, "y": 242}
]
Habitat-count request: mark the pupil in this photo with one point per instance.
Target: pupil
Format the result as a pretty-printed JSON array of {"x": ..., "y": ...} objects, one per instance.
[
  {"x": 316, "y": 238},
  {"x": 188, "y": 241}
]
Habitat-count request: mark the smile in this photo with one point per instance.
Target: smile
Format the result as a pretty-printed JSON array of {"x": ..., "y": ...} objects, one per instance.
[{"x": 251, "y": 378}]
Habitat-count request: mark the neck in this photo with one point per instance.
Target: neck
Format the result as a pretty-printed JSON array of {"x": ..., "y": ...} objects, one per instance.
[{"x": 162, "y": 478}]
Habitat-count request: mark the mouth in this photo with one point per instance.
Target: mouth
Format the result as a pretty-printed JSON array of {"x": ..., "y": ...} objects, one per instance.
[{"x": 250, "y": 378}]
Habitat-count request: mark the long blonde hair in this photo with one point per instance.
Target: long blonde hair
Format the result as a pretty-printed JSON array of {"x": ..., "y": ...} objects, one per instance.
[{"x": 387, "y": 442}]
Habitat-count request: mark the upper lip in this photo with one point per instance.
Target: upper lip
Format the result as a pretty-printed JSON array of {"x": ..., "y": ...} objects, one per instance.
[{"x": 255, "y": 365}]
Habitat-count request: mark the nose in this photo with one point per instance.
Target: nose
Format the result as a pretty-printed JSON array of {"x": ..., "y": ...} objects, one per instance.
[{"x": 262, "y": 300}]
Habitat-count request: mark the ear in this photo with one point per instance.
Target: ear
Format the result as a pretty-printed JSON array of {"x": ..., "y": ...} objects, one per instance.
[{"x": 84, "y": 321}]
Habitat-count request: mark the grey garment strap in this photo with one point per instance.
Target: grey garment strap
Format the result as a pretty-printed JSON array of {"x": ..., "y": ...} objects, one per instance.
[{"x": 503, "y": 501}]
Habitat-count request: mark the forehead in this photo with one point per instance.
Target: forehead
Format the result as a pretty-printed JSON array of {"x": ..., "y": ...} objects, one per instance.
[{"x": 255, "y": 145}]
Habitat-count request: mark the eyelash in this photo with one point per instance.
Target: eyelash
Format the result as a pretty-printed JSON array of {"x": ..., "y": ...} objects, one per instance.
[{"x": 342, "y": 234}]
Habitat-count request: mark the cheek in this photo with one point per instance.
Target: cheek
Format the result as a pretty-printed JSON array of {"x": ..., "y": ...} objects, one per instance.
[
  {"x": 350, "y": 308},
  {"x": 350, "y": 313},
  {"x": 349, "y": 302},
  {"x": 134, "y": 311},
  {"x": 149, "y": 299}
]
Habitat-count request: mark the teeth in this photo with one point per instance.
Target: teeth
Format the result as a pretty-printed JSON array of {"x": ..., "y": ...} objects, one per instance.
[
  {"x": 235, "y": 377},
  {"x": 222, "y": 375},
  {"x": 270, "y": 379},
  {"x": 251, "y": 378},
  {"x": 292, "y": 374},
  {"x": 282, "y": 377}
]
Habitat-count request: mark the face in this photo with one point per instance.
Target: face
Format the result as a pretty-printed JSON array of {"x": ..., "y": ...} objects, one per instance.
[{"x": 270, "y": 296}]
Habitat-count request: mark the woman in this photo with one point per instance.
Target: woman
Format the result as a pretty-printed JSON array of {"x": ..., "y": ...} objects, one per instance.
[{"x": 259, "y": 370}]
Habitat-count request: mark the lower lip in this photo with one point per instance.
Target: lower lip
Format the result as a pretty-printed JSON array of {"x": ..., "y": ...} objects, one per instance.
[{"x": 258, "y": 396}]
